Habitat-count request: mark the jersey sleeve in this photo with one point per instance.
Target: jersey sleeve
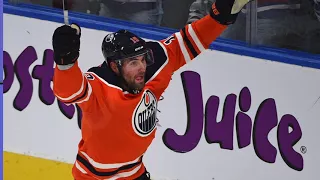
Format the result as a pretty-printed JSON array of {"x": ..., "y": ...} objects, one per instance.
[
  {"x": 71, "y": 86},
  {"x": 185, "y": 45}
]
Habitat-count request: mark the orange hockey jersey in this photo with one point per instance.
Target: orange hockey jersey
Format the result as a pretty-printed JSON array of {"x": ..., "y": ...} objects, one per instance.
[{"x": 118, "y": 127}]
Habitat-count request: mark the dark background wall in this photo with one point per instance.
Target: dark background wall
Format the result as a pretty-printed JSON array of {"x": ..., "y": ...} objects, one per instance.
[{"x": 175, "y": 13}]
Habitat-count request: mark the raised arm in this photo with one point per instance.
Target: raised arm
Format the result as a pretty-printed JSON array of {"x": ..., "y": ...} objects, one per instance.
[
  {"x": 196, "y": 37},
  {"x": 69, "y": 83}
]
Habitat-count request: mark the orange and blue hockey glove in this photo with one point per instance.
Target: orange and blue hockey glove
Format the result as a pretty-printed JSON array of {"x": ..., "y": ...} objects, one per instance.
[
  {"x": 66, "y": 44},
  {"x": 226, "y": 11}
]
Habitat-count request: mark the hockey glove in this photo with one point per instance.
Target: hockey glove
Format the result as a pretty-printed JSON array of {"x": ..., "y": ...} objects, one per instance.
[
  {"x": 66, "y": 44},
  {"x": 226, "y": 11}
]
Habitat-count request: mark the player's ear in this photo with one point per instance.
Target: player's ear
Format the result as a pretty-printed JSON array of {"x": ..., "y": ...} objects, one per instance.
[{"x": 114, "y": 67}]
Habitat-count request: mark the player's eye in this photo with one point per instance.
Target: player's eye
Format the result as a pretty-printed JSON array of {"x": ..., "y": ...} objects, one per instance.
[{"x": 133, "y": 62}]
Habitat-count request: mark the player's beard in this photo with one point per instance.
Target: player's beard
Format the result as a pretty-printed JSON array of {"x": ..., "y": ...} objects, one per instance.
[
  {"x": 138, "y": 85},
  {"x": 133, "y": 84}
]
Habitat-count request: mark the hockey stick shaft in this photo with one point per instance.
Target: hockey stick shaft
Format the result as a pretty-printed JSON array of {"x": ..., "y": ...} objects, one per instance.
[{"x": 65, "y": 12}]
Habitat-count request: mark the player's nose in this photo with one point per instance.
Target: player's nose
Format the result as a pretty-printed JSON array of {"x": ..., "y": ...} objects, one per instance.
[{"x": 142, "y": 66}]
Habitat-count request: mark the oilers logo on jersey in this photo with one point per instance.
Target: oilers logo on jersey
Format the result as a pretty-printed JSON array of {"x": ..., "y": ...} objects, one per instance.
[{"x": 144, "y": 119}]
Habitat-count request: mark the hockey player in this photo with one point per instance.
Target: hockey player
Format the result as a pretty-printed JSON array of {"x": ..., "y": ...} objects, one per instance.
[{"x": 119, "y": 98}]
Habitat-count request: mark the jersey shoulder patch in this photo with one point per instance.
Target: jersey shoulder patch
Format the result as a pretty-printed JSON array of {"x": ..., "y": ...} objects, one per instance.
[
  {"x": 169, "y": 39},
  {"x": 89, "y": 76},
  {"x": 104, "y": 72}
]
